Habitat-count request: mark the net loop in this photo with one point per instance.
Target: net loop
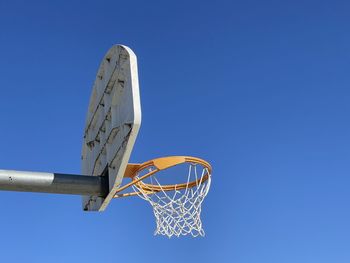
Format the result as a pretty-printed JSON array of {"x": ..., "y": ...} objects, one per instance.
[{"x": 177, "y": 208}]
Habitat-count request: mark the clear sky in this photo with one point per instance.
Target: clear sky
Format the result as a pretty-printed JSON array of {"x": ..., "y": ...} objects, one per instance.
[{"x": 258, "y": 88}]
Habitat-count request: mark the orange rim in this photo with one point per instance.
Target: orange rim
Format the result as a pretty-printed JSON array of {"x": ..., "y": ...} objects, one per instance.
[{"x": 161, "y": 164}]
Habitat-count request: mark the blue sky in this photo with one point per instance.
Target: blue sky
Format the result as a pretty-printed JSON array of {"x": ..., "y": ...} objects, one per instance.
[{"x": 258, "y": 88}]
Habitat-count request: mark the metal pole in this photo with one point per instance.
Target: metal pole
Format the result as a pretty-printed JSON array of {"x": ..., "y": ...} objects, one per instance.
[{"x": 53, "y": 183}]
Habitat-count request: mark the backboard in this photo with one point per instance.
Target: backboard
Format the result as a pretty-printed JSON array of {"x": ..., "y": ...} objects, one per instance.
[{"x": 112, "y": 123}]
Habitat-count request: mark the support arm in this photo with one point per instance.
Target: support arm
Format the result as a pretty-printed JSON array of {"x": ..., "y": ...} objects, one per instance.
[{"x": 53, "y": 183}]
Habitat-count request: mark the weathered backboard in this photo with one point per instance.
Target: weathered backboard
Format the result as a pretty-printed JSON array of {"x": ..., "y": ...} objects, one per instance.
[{"x": 112, "y": 123}]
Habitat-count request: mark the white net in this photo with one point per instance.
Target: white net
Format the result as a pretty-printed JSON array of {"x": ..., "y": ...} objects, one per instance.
[{"x": 178, "y": 211}]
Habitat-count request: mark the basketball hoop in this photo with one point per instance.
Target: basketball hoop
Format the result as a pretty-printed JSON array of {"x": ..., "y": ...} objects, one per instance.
[
  {"x": 177, "y": 207},
  {"x": 112, "y": 124}
]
